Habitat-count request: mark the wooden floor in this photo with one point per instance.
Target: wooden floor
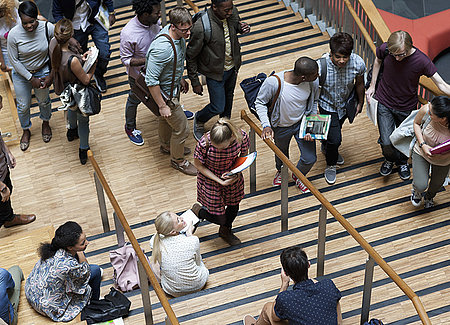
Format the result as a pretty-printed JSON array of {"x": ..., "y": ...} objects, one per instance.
[{"x": 50, "y": 182}]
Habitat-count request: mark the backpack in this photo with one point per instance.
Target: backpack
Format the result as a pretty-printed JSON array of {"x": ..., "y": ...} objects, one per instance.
[
  {"x": 380, "y": 73},
  {"x": 251, "y": 86},
  {"x": 124, "y": 262},
  {"x": 374, "y": 321},
  {"x": 203, "y": 15}
]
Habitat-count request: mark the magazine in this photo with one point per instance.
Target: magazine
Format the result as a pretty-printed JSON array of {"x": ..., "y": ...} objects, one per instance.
[
  {"x": 242, "y": 163},
  {"x": 372, "y": 109},
  {"x": 102, "y": 17},
  {"x": 317, "y": 125},
  {"x": 92, "y": 57},
  {"x": 442, "y": 148}
]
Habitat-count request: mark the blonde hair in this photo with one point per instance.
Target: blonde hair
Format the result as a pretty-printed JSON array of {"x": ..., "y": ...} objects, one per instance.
[
  {"x": 398, "y": 40},
  {"x": 223, "y": 130},
  {"x": 8, "y": 7},
  {"x": 164, "y": 225}
]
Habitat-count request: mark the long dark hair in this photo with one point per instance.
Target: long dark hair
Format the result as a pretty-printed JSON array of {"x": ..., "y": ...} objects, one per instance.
[
  {"x": 28, "y": 8},
  {"x": 66, "y": 235},
  {"x": 441, "y": 108},
  {"x": 63, "y": 33}
]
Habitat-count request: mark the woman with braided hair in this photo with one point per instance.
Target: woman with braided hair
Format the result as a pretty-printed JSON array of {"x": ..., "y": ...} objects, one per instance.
[{"x": 62, "y": 282}]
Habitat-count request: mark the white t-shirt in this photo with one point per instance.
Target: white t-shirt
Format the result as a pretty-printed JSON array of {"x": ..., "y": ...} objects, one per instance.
[
  {"x": 293, "y": 102},
  {"x": 80, "y": 17}
]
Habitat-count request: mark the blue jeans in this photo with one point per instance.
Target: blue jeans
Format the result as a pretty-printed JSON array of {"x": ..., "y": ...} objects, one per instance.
[
  {"x": 101, "y": 40},
  {"x": 23, "y": 96},
  {"x": 131, "y": 106},
  {"x": 283, "y": 136},
  {"x": 10, "y": 282},
  {"x": 94, "y": 281},
  {"x": 221, "y": 95},
  {"x": 78, "y": 120},
  {"x": 388, "y": 119}
]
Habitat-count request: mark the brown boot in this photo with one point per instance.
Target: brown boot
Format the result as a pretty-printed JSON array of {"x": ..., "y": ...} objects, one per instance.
[
  {"x": 20, "y": 219},
  {"x": 228, "y": 236}
]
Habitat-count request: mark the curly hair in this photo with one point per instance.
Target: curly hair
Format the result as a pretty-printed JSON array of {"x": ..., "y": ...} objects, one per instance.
[
  {"x": 144, "y": 6},
  {"x": 7, "y": 7},
  {"x": 66, "y": 235}
]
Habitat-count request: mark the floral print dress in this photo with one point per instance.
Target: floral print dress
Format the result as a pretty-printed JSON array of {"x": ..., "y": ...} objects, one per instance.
[{"x": 58, "y": 287}]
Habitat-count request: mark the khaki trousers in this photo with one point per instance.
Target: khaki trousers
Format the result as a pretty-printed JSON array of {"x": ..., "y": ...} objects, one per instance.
[
  {"x": 268, "y": 317},
  {"x": 173, "y": 131}
]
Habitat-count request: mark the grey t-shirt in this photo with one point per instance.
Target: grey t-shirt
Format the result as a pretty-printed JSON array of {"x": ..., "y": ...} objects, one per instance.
[{"x": 29, "y": 50}]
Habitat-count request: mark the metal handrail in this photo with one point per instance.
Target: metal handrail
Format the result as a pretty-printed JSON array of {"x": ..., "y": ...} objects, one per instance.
[
  {"x": 140, "y": 254},
  {"x": 350, "y": 229}
]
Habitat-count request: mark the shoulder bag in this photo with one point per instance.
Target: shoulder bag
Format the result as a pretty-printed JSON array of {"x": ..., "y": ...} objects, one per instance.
[{"x": 140, "y": 88}]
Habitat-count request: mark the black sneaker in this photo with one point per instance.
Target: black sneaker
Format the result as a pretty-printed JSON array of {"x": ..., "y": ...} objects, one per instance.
[
  {"x": 82, "y": 154},
  {"x": 101, "y": 83},
  {"x": 386, "y": 168},
  {"x": 403, "y": 172},
  {"x": 416, "y": 198}
]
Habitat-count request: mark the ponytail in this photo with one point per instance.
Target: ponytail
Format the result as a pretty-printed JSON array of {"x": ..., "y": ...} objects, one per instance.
[
  {"x": 164, "y": 225},
  {"x": 63, "y": 33},
  {"x": 223, "y": 130},
  {"x": 66, "y": 236}
]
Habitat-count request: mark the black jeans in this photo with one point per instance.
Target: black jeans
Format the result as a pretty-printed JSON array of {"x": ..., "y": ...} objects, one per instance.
[
  {"x": 334, "y": 138},
  {"x": 6, "y": 210},
  {"x": 226, "y": 219}
]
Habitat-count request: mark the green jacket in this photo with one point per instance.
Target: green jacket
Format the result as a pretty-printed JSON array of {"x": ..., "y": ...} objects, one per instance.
[{"x": 209, "y": 58}]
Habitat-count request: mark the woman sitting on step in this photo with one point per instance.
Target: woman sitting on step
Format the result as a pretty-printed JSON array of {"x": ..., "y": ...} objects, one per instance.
[
  {"x": 178, "y": 254},
  {"x": 62, "y": 281}
]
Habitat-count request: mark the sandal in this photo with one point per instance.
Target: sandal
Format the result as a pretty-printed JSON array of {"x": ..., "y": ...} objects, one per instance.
[
  {"x": 25, "y": 140},
  {"x": 46, "y": 131}
]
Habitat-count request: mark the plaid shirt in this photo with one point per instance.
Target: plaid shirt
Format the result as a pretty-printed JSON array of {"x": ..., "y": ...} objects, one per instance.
[{"x": 339, "y": 83}]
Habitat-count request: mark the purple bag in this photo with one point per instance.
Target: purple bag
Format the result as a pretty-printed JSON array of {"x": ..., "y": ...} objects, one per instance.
[{"x": 124, "y": 262}]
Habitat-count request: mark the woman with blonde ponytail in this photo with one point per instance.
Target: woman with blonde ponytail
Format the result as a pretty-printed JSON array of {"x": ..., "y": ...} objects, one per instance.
[
  {"x": 67, "y": 68},
  {"x": 219, "y": 193},
  {"x": 178, "y": 254}
]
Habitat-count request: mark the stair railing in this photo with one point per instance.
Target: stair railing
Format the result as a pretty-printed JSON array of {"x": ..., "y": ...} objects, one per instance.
[
  {"x": 122, "y": 226},
  {"x": 361, "y": 19},
  {"x": 373, "y": 258}
]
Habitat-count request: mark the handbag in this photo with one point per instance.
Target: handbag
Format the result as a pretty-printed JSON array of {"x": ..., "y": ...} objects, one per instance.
[
  {"x": 403, "y": 138},
  {"x": 115, "y": 305},
  {"x": 88, "y": 99},
  {"x": 140, "y": 88}
]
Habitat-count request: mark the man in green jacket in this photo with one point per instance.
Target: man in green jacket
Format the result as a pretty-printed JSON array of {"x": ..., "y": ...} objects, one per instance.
[{"x": 215, "y": 52}]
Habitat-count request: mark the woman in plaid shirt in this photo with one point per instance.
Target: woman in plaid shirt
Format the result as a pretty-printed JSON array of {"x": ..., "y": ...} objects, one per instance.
[{"x": 220, "y": 194}]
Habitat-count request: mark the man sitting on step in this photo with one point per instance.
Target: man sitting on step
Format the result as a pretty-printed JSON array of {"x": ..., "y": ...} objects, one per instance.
[
  {"x": 310, "y": 302},
  {"x": 298, "y": 93},
  {"x": 9, "y": 294}
]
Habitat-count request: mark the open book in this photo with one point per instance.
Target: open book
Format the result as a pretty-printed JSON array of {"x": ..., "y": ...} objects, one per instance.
[
  {"x": 90, "y": 59},
  {"x": 189, "y": 217},
  {"x": 242, "y": 163},
  {"x": 442, "y": 148},
  {"x": 317, "y": 125}
]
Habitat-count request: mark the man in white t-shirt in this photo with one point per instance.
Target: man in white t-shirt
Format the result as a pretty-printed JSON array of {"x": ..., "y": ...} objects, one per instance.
[{"x": 298, "y": 97}]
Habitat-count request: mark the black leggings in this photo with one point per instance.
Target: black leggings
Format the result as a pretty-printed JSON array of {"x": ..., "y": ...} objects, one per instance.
[{"x": 226, "y": 219}]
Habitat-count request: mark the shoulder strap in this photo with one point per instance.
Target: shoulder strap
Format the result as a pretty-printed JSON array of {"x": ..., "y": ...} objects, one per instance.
[
  {"x": 172, "y": 86},
  {"x": 277, "y": 94},
  {"x": 323, "y": 71},
  {"x": 206, "y": 26}
]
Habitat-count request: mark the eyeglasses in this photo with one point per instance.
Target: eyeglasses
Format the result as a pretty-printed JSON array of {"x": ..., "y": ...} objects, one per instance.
[
  {"x": 400, "y": 55},
  {"x": 183, "y": 30}
]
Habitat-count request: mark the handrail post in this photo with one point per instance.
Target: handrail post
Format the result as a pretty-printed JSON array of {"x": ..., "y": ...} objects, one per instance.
[
  {"x": 120, "y": 232},
  {"x": 101, "y": 203},
  {"x": 367, "y": 291},
  {"x": 179, "y": 2},
  {"x": 252, "y": 166},
  {"x": 321, "y": 237},
  {"x": 168, "y": 322},
  {"x": 284, "y": 197},
  {"x": 143, "y": 284}
]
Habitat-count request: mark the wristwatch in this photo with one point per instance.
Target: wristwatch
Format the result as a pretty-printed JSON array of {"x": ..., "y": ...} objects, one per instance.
[{"x": 421, "y": 144}]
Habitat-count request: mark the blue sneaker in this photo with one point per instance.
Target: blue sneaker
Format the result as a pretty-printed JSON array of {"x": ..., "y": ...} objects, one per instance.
[
  {"x": 189, "y": 114},
  {"x": 134, "y": 136}
]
